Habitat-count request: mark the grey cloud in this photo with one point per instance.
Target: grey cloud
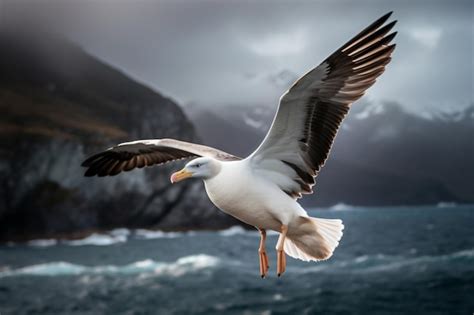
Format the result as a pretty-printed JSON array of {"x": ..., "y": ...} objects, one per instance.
[{"x": 217, "y": 53}]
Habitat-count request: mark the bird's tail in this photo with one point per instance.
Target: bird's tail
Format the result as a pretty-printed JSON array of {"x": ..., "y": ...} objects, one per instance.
[{"x": 313, "y": 238}]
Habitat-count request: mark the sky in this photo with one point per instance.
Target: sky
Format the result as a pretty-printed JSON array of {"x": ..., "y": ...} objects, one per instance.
[{"x": 221, "y": 53}]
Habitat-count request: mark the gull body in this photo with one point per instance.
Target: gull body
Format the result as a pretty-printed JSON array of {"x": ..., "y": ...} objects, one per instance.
[
  {"x": 253, "y": 196},
  {"x": 243, "y": 197}
]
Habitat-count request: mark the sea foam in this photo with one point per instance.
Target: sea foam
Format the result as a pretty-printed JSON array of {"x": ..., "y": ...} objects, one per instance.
[
  {"x": 42, "y": 243},
  {"x": 151, "y": 267},
  {"x": 388, "y": 263},
  {"x": 341, "y": 207},
  {"x": 98, "y": 240},
  {"x": 155, "y": 234}
]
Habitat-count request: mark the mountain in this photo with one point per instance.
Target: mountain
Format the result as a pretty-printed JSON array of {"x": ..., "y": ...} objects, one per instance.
[
  {"x": 58, "y": 105},
  {"x": 382, "y": 155},
  {"x": 220, "y": 131}
]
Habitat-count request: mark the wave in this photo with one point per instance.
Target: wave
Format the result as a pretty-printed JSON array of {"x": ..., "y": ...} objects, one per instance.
[
  {"x": 41, "y": 243},
  {"x": 154, "y": 234},
  {"x": 387, "y": 263},
  {"x": 341, "y": 207},
  {"x": 422, "y": 261},
  {"x": 98, "y": 240},
  {"x": 446, "y": 204},
  {"x": 239, "y": 230},
  {"x": 111, "y": 237},
  {"x": 123, "y": 235},
  {"x": 177, "y": 268},
  {"x": 120, "y": 232},
  {"x": 235, "y": 230}
]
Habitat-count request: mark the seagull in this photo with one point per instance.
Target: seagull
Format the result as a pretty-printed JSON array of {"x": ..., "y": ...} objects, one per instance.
[{"x": 263, "y": 189}]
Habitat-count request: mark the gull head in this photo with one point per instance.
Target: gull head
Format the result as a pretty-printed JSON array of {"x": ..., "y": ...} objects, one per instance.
[{"x": 203, "y": 167}]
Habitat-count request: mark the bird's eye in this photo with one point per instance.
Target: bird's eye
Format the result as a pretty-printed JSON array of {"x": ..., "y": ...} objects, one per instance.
[{"x": 197, "y": 165}]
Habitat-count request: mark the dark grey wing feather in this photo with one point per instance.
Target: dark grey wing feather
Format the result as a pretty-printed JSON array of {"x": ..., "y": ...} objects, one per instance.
[
  {"x": 311, "y": 111},
  {"x": 138, "y": 154}
]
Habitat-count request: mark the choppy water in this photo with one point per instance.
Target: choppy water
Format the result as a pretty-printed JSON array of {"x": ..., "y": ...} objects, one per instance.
[{"x": 390, "y": 261}]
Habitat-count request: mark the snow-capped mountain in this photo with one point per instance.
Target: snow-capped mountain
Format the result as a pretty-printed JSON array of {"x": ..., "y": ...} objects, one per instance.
[
  {"x": 283, "y": 79},
  {"x": 382, "y": 154}
]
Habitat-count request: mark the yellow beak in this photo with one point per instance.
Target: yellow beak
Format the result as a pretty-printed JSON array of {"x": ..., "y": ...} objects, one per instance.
[{"x": 180, "y": 175}]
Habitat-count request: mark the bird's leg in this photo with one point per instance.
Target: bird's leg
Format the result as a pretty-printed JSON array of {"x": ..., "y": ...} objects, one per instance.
[
  {"x": 281, "y": 258},
  {"x": 263, "y": 254}
]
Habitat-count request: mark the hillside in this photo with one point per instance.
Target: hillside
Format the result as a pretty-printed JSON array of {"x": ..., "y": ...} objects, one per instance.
[{"x": 58, "y": 104}]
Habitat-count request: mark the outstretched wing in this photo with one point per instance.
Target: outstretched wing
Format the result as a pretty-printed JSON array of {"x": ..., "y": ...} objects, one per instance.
[
  {"x": 310, "y": 112},
  {"x": 137, "y": 154}
]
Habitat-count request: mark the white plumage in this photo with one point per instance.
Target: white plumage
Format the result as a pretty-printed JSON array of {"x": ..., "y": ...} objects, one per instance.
[{"x": 262, "y": 189}]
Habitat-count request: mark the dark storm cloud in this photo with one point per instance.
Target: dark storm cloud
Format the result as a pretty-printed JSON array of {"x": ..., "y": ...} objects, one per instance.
[{"x": 218, "y": 53}]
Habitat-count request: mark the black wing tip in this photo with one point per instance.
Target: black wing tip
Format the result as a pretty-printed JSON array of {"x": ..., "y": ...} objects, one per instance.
[
  {"x": 386, "y": 16},
  {"x": 376, "y": 27},
  {"x": 380, "y": 21},
  {"x": 86, "y": 163},
  {"x": 89, "y": 161},
  {"x": 391, "y": 24},
  {"x": 390, "y": 37},
  {"x": 90, "y": 173},
  {"x": 91, "y": 164},
  {"x": 379, "y": 24}
]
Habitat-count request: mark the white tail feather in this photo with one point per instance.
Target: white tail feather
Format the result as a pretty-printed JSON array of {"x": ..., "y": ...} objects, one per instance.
[{"x": 313, "y": 238}]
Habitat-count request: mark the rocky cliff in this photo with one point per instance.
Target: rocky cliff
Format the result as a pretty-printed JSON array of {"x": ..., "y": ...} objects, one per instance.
[{"x": 58, "y": 104}]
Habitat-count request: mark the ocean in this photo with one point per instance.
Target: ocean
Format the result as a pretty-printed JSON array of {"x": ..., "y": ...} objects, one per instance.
[{"x": 394, "y": 260}]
